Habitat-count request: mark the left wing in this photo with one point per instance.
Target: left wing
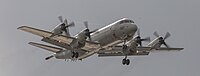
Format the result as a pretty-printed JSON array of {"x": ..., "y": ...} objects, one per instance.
[
  {"x": 158, "y": 49},
  {"x": 121, "y": 54},
  {"x": 169, "y": 49},
  {"x": 60, "y": 38},
  {"x": 117, "y": 51}
]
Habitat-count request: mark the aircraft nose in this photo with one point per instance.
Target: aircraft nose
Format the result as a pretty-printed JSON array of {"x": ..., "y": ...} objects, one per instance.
[{"x": 133, "y": 28}]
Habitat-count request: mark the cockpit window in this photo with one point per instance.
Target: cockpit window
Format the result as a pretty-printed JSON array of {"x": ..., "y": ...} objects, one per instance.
[{"x": 126, "y": 21}]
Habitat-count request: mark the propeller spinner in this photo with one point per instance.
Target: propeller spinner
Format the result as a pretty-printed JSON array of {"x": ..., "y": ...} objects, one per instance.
[{"x": 87, "y": 31}]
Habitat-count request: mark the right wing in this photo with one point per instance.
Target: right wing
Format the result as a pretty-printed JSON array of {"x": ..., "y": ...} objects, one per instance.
[
  {"x": 46, "y": 47},
  {"x": 60, "y": 38},
  {"x": 89, "y": 49}
]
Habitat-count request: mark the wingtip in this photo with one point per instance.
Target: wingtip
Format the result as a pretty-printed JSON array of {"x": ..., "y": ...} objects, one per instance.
[
  {"x": 22, "y": 26},
  {"x": 32, "y": 43}
]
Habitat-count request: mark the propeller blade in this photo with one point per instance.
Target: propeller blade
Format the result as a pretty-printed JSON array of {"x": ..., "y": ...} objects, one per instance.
[
  {"x": 60, "y": 18},
  {"x": 89, "y": 38},
  {"x": 87, "y": 33},
  {"x": 65, "y": 22},
  {"x": 156, "y": 34},
  {"x": 94, "y": 30},
  {"x": 166, "y": 45},
  {"x": 86, "y": 24},
  {"x": 140, "y": 43},
  {"x": 167, "y": 35},
  {"x": 72, "y": 24},
  {"x": 146, "y": 39}
]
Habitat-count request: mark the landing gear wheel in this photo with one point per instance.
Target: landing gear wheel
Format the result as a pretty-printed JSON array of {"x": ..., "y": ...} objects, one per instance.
[
  {"x": 73, "y": 54},
  {"x": 127, "y": 62},
  {"x": 124, "y": 61},
  {"x": 76, "y": 54}
]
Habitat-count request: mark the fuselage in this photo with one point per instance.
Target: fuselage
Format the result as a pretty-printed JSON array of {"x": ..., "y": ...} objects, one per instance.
[
  {"x": 109, "y": 35},
  {"x": 118, "y": 30}
]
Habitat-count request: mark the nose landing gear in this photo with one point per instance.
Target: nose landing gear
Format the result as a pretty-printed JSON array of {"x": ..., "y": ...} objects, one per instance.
[{"x": 125, "y": 61}]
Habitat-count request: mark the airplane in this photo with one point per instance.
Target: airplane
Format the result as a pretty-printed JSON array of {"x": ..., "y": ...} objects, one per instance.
[{"x": 115, "y": 39}]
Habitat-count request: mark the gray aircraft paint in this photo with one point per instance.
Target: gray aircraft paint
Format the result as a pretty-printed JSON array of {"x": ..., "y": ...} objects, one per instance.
[{"x": 179, "y": 17}]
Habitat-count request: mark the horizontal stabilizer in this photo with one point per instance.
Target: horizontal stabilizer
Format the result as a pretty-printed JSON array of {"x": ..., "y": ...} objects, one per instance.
[{"x": 46, "y": 47}]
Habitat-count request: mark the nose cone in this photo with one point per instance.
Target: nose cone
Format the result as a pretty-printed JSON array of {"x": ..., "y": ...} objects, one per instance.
[{"x": 132, "y": 28}]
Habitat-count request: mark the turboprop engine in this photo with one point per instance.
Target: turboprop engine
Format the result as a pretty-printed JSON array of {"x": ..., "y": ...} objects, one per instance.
[
  {"x": 81, "y": 37},
  {"x": 63, "y": 27}
]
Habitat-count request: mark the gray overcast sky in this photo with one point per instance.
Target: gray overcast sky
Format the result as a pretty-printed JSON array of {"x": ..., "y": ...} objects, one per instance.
[{"x": 179, "y": 17}]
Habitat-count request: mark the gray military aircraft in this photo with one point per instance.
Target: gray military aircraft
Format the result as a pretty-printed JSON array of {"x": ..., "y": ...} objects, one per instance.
[{"x": 115, "y": 39}]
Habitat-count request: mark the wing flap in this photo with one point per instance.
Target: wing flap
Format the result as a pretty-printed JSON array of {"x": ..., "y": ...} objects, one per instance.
[
  {"x": 169, "y": 49},
  {"x": 121, "y": 54},
  {"x": 46, "y": 47},
  {"x": 158, "y": 49}
]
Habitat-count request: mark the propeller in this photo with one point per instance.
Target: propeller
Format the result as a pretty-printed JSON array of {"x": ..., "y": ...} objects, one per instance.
[
  {"x": 64, "y": 24},
  {"x": 87, "y": 30},
  {"x": 139, "y": 39},
  {"x": 162, "y": 40}
]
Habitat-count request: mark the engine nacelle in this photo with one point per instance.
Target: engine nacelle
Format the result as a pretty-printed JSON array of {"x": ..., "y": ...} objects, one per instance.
[
  {"x": 131, "y": 46},
  {"x": 58, "y": 30},
  {"x": 65, "y": 54},
  {"x": 79, "y": 42}
]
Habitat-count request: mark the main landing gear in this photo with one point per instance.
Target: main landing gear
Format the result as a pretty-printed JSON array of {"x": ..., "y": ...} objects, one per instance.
[
  {"x": 126, "y": 52},
  {"x": 125, "y": 61},
  {"x": 75, "y": 54}
]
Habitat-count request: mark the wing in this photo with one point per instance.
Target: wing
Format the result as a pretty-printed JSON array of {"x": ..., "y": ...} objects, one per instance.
[
  {"x": 35, "y": 31},
  {"x": 121, "y": 54},
  {"x": 169, "y": 49},
  {"x": 59, "y": 39},
  {"x": 159, "y": 49},
  {"x": 117, "y": 51},
  {"x": 46, "y": 47}
]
